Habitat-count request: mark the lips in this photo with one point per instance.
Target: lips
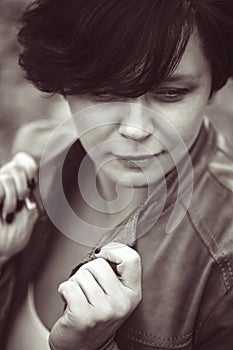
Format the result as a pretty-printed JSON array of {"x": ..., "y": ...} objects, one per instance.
[
  {"x": 139, "y": 157},
  {"x": 142, "y": 157},
  {"x": 140, "y": 160}
]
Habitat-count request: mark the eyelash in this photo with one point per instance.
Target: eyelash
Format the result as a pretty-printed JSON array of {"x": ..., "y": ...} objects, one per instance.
[
  {"x": 106, "y": 98},
  {"x": 170, "y": 95},
  {"x": 166, "y": 95}
]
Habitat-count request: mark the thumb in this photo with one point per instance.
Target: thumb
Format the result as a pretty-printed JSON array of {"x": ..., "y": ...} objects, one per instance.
[{"x": 127, "y": 260}]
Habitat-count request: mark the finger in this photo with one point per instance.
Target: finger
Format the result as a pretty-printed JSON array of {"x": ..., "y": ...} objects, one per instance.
[
  {"x": 19, "y": 176},
  {"x": 26, "y": 218},
  {"x": 30, "y": 203},
  {"x": 2, "y": 194},
  {"x": 31, "y": 214},
  {"x": 127, "y": 260},
  {"x": 104, "y": 275},
  {"x": 28, "y": 163},
  {"x": 21, "y": 229},
  {"x": 89, "y": 285},
  {"x": 10, "y": 197},
  {"x": 74, "y": 296}
]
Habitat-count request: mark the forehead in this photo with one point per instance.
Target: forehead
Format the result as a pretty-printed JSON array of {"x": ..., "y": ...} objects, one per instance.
[{"x": 194, "y": 63}]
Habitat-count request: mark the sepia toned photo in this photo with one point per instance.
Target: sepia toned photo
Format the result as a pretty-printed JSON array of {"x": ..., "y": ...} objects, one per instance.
[{"x": 116, "y": 174}]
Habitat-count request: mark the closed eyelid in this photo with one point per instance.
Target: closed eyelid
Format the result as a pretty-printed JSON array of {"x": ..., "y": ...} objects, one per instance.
[
  {"x": 169, "y": 95},
  {"x": 174, "y": 90},
  {"x": 171, "y": 91}
]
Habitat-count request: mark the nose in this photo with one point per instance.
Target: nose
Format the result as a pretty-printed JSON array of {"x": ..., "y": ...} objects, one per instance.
[
  {"x": 133, "y": 132},
  {"x": 135, "y": 124}
]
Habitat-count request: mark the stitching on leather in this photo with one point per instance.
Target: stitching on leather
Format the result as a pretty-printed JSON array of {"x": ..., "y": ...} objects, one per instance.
[
  {"x": 221, "y": 250},
  {"x": 160, "y": 338},
  {"x": 165, "y": 346},
  {"x": 228, "y": 264},
  {"x": 207, "y": 242},
  {"x": 210, "y": 248}
]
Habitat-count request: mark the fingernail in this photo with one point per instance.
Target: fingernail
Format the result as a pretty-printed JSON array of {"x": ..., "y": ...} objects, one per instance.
[
  {"x": 10, "y": 218},
  {"x": 31, "y": 184},
  {"x": 97, "y": 250},
  {"x": 19, "y": 205},
  {"x": 30, "y": 204}
]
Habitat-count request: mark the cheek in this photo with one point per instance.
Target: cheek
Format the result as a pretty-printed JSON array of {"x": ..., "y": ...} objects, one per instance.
[
  {"x": 188, "y": 118},
  {"x": 96, "y": 137},
  {"x": 190, "y": 130},
  {"x": 190, "y": 125}
]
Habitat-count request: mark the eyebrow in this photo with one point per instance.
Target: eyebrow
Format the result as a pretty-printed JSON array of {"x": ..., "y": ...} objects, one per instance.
[{"x": 177, "y": 78}]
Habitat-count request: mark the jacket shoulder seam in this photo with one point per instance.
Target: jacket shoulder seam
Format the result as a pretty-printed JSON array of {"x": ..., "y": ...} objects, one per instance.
[{"x": 217, "y": 251}]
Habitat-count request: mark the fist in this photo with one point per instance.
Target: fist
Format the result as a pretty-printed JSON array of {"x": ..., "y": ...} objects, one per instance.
[
  {"x": 98, "y": 300},
  {"x": 18, "y": 214}
]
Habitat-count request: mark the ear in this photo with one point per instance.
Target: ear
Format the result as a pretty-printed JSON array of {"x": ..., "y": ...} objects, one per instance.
[{"x": 212, "y": 98}]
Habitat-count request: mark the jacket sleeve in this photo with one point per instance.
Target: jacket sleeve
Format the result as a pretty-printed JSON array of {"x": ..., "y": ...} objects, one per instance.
[
  {"x": 216, "y": 333},
  {"x": 7, "y": 282}
]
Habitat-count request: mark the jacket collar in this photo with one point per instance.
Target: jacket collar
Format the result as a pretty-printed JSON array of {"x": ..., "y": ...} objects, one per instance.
[{"x": 177, "y": 189}]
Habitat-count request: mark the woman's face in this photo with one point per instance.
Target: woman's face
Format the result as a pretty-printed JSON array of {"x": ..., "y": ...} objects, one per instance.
[{"x": 181, "y": 100}]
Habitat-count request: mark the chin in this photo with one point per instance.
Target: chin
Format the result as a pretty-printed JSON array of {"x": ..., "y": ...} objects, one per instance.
[{"x": 135, "y": 180}]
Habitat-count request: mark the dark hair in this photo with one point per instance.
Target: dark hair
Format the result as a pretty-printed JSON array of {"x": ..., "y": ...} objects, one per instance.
[{"x": 121, "y": 47}]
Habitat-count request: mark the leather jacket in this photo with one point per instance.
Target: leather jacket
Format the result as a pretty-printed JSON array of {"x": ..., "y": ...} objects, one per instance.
[{"x": 187, "y": 281}]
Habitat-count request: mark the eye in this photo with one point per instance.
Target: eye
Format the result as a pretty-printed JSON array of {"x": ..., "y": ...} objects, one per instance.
[
  {"x": 102, "y": 97},
  {"x": 105, "y": 98},
  {"x": 170, "y": 94}
]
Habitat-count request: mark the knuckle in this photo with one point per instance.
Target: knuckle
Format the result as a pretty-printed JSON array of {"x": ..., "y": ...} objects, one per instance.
[
  {"x": 81, "y": 274},
  {"x": 25, "y": 160},
  {"x": 134, "y": 257},
  {"x": 13, "y": 166},
  {"x": 69, "y": 288},
  {"x": 82, "y": 323},
  {"x": 10, "y": 175},
  {"x": 132, "y": 260},
  {"x": 98, "y": 263},
  {"x": 101, "y": 263},
  {"x": 131, "y": 255},
  {"x": 5, "y": 168},
  {"x": 18, "y": 171}
]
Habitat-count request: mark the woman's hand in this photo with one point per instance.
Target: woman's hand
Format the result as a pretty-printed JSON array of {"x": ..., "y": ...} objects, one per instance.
[
  {"x": 98, "y": 300},
  {"x": 16, "y": 222}
]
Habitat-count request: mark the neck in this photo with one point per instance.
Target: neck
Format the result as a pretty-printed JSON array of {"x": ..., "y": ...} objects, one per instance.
[{"x": 119, "y": 198}]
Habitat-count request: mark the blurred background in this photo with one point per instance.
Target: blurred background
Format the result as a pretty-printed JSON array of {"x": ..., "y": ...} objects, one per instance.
[{"x": 20, "y": 102}]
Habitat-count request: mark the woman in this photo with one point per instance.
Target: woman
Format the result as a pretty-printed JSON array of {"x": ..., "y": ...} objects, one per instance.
[{"x": 138, "y": 78}]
